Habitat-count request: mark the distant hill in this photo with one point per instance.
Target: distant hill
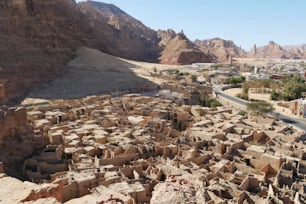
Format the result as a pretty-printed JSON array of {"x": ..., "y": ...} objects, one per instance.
[
  {"x": 220, "y": 49},
  {"x": 301, "y": 47},
  {"x": 275, "y": 51},
  {"x": 300, "y": 50}
]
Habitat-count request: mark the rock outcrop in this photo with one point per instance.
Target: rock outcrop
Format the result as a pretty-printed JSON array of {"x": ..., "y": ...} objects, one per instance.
[
  {"x": 178, "y": 49},
  {"x": 16, "y": 191},
  {"x": 37, "y": 38},
  {"x": 118, "y": 33},
  {"x": 180, "y": 189},
  {"x": 220, "y": 49}
]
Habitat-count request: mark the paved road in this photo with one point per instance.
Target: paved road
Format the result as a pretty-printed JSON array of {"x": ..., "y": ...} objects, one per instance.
[
  {"x": 297, "y": 122},
  {"x": 232, "y": 98}
]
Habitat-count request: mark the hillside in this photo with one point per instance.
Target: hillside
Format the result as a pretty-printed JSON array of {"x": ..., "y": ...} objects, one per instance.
[
  {"x": 39, "y": 37},
  {"x": 93, "y": 73},
  {"x": 35, "y": 42},
  {"x": 118, "y": 33}
]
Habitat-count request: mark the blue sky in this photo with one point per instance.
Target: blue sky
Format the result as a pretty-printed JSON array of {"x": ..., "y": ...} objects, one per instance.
[{"x": 246, "y": 22}]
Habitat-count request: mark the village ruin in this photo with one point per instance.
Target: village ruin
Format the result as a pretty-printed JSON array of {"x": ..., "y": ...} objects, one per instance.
[{"x": 143, "y": 149}]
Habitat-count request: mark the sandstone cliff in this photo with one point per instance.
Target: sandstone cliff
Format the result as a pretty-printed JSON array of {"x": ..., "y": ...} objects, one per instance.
[
  {"x": 178, "y": 49},
  {"x": 37, "y": 38},
  {"x": 118, "y": 33},
  {"x": 220, "y": 49}
]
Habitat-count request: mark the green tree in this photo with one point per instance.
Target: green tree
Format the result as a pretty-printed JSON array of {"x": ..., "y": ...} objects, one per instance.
[
  {"x": 293, "y": 88},
  {"x": 213, "y": 103},
  {"x": 237, "y": 80},
  {"x": 234, "y": 81},
  {"x": 260, "y": 107},
  {"x": 274, "y": 95},
  {"x": 242, "y": 78}
]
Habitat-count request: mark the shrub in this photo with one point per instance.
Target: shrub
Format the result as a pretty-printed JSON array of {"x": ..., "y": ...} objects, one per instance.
[
  {"x": 213, "y": 103},
  {"x": 243, "y": 113},
  {"x": 260, "y": 107}
]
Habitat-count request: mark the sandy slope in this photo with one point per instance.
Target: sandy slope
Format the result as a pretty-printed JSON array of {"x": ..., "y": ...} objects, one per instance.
[{"x": 93, "y": 72}]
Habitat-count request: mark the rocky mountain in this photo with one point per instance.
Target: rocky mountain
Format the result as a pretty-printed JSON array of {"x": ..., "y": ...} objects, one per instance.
[
  {"x": 137, "y": 41},
  {"x": 275, "y": 51},
  {"x": 220, "y": 49},
  {"x": 300, "y": 50},
  {"x": 37, "y": 38},
  {"x": 301, "y": 47},
  {"x": 178, "y": 49},
  {"x": 120, "y": 34},
  {"x": 33, "y": 43}
]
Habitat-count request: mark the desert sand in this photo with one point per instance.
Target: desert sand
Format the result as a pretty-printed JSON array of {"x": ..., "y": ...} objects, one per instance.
[
  {"x": 233, "y": 91},
  {"x": 92, "y": 72}
]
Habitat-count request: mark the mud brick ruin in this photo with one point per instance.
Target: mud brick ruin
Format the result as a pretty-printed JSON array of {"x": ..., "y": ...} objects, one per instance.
[{"x": 137, "y": 149}]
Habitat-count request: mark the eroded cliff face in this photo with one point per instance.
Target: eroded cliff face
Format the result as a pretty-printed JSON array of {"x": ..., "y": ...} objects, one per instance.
[
  {"x": 119, "y": 33},
  {"x": 178, "y": 49},
  {"x": 37, "y": 38},
  {"x": 220, "y": 49}
]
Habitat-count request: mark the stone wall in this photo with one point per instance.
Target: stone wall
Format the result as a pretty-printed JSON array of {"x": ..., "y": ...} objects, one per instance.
[
  {"x": 17, "y": 140},
  {"x": 119, "y": 160}
]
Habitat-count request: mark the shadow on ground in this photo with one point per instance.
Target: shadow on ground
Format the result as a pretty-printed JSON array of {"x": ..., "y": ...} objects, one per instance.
[{"x": 92, "y": 72}]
